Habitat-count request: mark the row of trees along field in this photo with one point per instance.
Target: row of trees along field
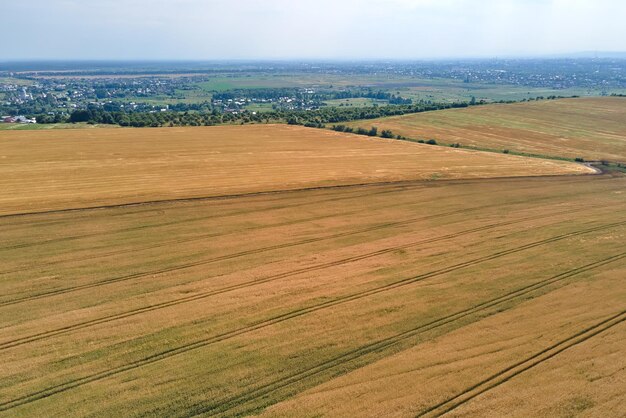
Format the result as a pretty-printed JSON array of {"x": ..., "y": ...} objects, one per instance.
[
  {"x": 299, "y": 94},
  {"x": 201, "y": 114},
  {"x": 315, "y": 118}
]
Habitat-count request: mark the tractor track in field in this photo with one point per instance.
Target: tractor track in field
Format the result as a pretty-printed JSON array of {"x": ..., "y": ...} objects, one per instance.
[
  {"x": 141, "y": 211},
  {"x": 184, "y": 221},
  {"x": 212, "y": 235},
  {"x": 396, "y": 188},
  {"x": 222, "y": 258},
  {"x": 520, "y": 367},
  {"x": 174, "y": 242},
  {"x": 205, "y": 236},
  {"x": 244, "y": 212},
  {"x": 171, "y": 352},
  {"x": 249, "y": 252},
  {"x": 255, "y": 282},
  {"x": 221, "y": 197},
  {"x": 416, "y": 182},
  {"x": 262, "y": 391}
]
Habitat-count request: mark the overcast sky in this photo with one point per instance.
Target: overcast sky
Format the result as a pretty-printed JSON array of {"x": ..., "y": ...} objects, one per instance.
[{"x": 283, "y": 29}]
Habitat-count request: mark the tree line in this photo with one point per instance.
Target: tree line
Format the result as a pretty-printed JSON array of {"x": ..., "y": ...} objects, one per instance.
[
  {"x": 319, "y": 96},
  {"x": 202, "y": 114},
  {"x": 315, "y": 118}
]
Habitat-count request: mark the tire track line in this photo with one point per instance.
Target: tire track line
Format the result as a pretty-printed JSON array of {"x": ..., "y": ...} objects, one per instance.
[
  {"x": 171, "y": 352},
  {"x": 209, "y": 235},
  {"x": 191, "y": 239},
  {"x": 212, "y": 260},
  {"x": 235, "y": 255},
  {"x": 250, "y": 283},
  {"x": 226, "y": 257},
  {"x": 518, "y": 368},
  {"x": 184, "y": 221},
  {"x": 177, "y": 241},
  {"x": 380, "y": 345},
  {"x": 29, "y": 224},
  {"x": 394, "y": 189},
  {"x": 367, "y": 185}
]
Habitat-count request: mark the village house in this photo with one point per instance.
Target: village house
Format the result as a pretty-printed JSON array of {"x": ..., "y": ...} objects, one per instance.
[
  {"x": 24, "y": 119},
  {"x": 17, "y": 119}
]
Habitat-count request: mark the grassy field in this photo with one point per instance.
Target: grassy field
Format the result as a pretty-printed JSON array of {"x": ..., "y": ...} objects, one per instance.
[
  {"x": 390, "y": 299},
  {"x": 287, "y": 80},
  {"x": 356, "y": 102},
  {"x": 435, "y": 89},
  {"x": 591, "y": 128},
  {"x": 58, "y": 169},
  {"x": 453, "y": 90},
  {"x": 17, "y": 81},
  {"x": 260, "y": 107},
  {"x": 286, "y": 271}
]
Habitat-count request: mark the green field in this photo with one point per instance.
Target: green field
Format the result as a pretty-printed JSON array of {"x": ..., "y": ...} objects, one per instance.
[
  {"x": 17, "y": 81},
  {"x": 450, "y": 90},
  {"x": 259, "y": 107},
  {"x": 407, "y": 87},
  {"x": 356, "y": 102},
  {"x": 223, "y": 83}
]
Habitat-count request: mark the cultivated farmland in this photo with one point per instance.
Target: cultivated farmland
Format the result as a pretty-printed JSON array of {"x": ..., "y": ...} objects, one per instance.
[
  {"x": 592, "y": 128},
  {"x": 60, "y": 169},
  {"x": 391, "y": 295}
]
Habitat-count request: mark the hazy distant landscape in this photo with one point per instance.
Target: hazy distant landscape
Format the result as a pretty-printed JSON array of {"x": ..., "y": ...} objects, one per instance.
[
  {"x": 286, "y": 209},
  {"x": 154, "y": 93}
]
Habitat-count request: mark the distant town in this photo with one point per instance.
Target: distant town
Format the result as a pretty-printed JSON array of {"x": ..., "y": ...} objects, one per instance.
[{"x": 31, "y": 94}]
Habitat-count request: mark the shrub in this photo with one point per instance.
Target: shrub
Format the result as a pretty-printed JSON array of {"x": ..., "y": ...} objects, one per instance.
[
  {"x": 579, "y": 159},
  {"x": 373, "y": 131},
  {"x": 431, "y": 142},
  {"x": 506, "y": 151},
  {"x": 386, "y": 134}
]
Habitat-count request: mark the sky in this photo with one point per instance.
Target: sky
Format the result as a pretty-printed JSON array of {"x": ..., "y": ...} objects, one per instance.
[{"x": 307, "y": 29}]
